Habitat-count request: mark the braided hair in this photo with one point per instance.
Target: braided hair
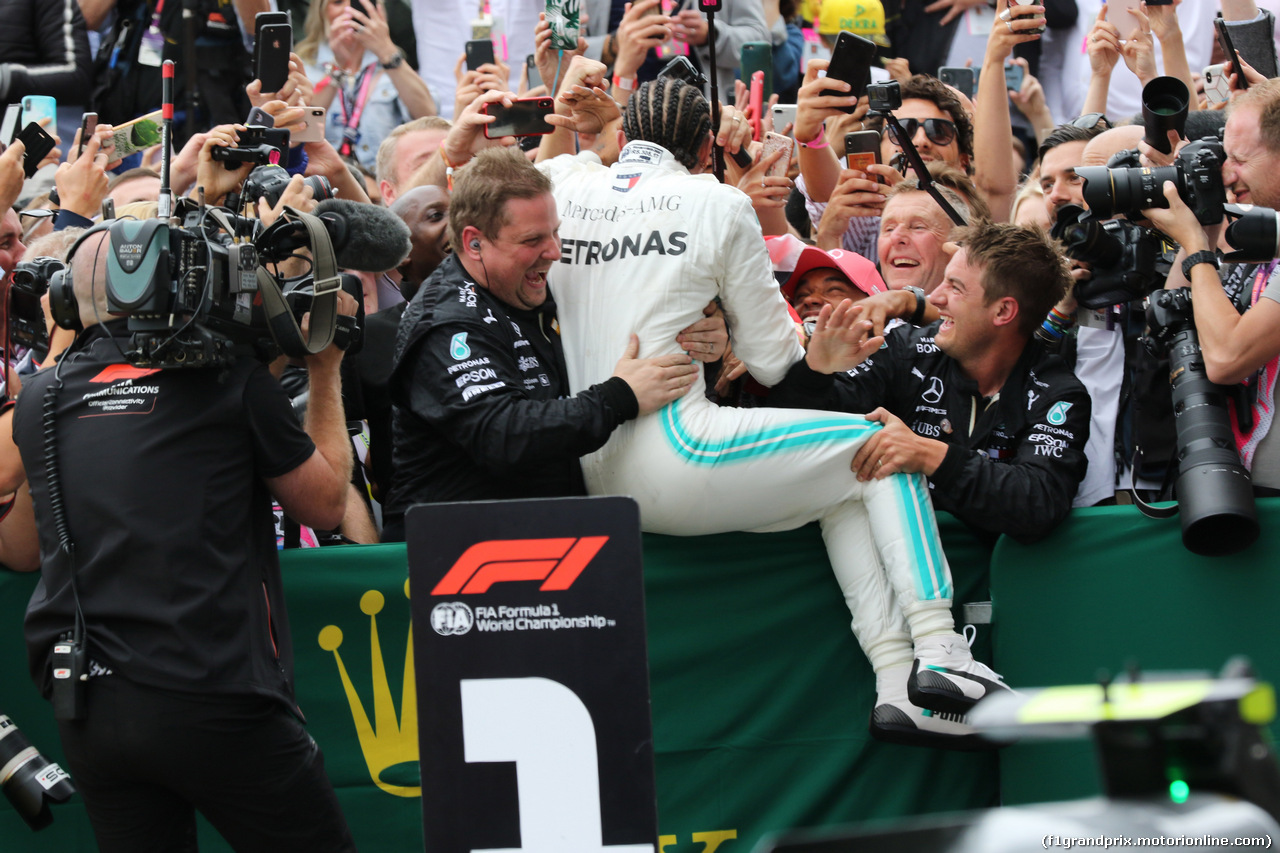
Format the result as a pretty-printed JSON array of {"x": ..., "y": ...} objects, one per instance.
[{"x": 670, "y": 113}]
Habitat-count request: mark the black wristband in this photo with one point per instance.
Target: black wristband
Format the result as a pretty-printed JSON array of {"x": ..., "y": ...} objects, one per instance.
[
  {"x": 917, "y": 318},
  {"x": 1204, "y": 256}
]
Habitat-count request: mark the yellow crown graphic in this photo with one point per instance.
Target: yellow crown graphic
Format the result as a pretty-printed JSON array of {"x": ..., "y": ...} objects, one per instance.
[{"x": 387, "y": 742}]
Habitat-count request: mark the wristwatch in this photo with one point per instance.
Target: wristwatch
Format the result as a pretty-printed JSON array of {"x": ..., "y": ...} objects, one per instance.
[
  {"x": 394, "y": 62},
  {"x": 1202, "y": 257},
  {"x": 918, "y": 317}
]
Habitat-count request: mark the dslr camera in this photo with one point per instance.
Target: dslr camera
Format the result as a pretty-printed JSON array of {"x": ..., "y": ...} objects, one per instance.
[
  {"x": 1196, "y": 172},
  {"x": 26, "y": 317},
  {"x": 1128, "y": 260}
]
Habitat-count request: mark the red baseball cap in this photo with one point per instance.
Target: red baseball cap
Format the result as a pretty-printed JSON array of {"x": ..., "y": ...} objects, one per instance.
[{"x": 860, "y": 271}]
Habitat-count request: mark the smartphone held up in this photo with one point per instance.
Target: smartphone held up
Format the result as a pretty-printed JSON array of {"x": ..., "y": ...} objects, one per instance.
[{"x": 525, "y": 117}]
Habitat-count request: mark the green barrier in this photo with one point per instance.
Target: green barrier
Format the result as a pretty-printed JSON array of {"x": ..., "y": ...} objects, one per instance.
[
  {"x": 1111, "y": 587},
  {"x": 761, "y": 696}
]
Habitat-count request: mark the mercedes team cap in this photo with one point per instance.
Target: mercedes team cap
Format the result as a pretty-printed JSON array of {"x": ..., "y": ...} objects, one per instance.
[{"x": 856, "y": 268}]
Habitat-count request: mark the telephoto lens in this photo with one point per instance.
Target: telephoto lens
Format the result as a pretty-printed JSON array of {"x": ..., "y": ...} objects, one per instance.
[
  {"x": 1164, "y": 108},
  {"x": 1254, "y": 233},
  {"x": 1215, "y": 495},
  {"x": 1109, "y": 192},
  {"x": 30, "y": 781}
]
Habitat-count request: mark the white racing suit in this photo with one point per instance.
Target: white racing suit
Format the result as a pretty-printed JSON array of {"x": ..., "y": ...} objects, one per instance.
[{"x": 645, "y": 247}]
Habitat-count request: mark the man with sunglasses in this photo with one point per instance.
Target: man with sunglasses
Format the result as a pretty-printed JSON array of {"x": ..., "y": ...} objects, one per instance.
[{"x": 931, "y": 114}]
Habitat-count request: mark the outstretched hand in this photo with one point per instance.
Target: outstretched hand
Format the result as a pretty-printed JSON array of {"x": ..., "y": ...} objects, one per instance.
[{"x": 841, "y": 339}]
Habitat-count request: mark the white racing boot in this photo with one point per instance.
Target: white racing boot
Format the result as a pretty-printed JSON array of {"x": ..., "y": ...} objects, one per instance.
[
  {"x": 896, "y": 720},
  {"x": 946, "y": 678}
]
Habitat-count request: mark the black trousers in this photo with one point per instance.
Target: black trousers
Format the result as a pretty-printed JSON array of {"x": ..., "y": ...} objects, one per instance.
[{"x": 146, "y": 760}]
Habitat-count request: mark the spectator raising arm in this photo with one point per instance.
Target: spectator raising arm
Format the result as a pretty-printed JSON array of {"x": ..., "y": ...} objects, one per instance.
[
  {"x": 323, "y": 159},
  {"x": 1030, "y": 101},
  {"x": 582, "y": 106},
  {"x": 1163, "y": 23},
  {"x": 637, "y": 33},
  {"x": 552, "y": 64},
  {"x": 373, "y": 32},
  {"x": 1103, "y": 46},
  {"x": 994, "y": 172},
  {"x": 814, "y": 105}
]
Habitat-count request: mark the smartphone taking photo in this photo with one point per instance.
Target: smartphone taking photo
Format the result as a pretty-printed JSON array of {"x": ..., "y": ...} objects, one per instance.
[
  {"x": 271, "y": 55},
  {"x": 525, "y": 117},
  {"x": 479, "y": 52},
  {"x": 861, "y": 149},
  {"x": 88, "y": 126},
  {"x": 851, "y": 62}
]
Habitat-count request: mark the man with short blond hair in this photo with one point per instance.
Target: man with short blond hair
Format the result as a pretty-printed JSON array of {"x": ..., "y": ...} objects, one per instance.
[{"x": 404, "y": 150}]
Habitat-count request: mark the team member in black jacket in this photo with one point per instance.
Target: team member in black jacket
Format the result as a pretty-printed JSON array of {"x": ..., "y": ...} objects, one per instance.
[
  {"x": 972, "y": 401},
  {"x": 481, "y": 394}
]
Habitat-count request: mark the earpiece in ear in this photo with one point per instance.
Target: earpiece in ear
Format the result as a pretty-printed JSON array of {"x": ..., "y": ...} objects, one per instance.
[{"x": 475, "y": 244}]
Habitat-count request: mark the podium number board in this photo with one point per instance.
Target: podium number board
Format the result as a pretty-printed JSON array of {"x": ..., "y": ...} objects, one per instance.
[{"x": 532, "y": 676}]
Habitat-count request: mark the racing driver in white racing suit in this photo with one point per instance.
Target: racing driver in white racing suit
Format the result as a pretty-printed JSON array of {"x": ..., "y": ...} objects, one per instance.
[{"x": 644, "y": 245}]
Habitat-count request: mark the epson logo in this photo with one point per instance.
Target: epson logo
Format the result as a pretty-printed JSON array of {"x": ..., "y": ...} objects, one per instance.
[{"x": 476, "y": 376}]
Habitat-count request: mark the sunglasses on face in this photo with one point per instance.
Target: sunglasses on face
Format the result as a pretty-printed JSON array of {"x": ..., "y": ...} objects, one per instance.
[{"x": 939, "y": 130}]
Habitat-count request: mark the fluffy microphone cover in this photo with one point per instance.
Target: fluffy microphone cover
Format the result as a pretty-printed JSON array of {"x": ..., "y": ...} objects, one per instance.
[{"x": 366, "y": 237}]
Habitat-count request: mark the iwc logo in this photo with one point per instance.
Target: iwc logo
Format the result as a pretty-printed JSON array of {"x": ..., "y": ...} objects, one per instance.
[{"x": 452, "y": 618}]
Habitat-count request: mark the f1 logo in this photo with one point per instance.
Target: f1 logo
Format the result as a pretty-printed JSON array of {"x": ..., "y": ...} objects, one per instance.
[{"x": 555, "y": 562}]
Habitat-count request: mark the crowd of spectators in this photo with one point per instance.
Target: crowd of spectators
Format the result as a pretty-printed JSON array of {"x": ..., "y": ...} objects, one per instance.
[{"x": 933, "y": 304}]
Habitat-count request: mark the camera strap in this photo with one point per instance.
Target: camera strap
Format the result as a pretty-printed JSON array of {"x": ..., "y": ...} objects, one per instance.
[
  {"x": 324, "y": 304},
  {"x": 1148, "y": 509}
]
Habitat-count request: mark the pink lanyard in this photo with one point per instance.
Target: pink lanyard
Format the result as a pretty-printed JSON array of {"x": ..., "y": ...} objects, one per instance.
[
  {"x": 351, "y": 119},
  {"x": 1260, "y": 283}
]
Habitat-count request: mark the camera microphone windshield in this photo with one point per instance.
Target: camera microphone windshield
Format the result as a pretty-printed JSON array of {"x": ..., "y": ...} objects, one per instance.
[
  {"x": 1164, "y": 108},
  {"x": 365, "y": 237},
  {"x": 1254, "y": 233}
]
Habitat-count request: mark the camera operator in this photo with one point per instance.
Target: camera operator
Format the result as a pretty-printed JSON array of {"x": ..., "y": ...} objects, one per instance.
[
  {"x": 152, "y": 491},
  {"x": 1237, "y": 307}
]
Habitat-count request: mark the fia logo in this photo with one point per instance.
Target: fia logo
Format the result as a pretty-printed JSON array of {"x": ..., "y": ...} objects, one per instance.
[
  {"x": 452, "y": 618},
  {"x": 1058, "y": 414},
  {"x": 458, "y": 347}
]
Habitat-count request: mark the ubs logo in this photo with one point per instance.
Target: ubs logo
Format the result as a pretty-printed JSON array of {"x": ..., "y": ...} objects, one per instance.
[{"x": 933, "y": 393}]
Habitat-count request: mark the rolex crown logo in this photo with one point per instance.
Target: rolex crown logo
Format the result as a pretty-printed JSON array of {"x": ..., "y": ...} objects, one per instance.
[{"x": 386, "y": 742}]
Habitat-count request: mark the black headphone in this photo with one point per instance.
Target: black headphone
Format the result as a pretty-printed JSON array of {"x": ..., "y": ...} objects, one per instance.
[{"x": 475, "y": 244}]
